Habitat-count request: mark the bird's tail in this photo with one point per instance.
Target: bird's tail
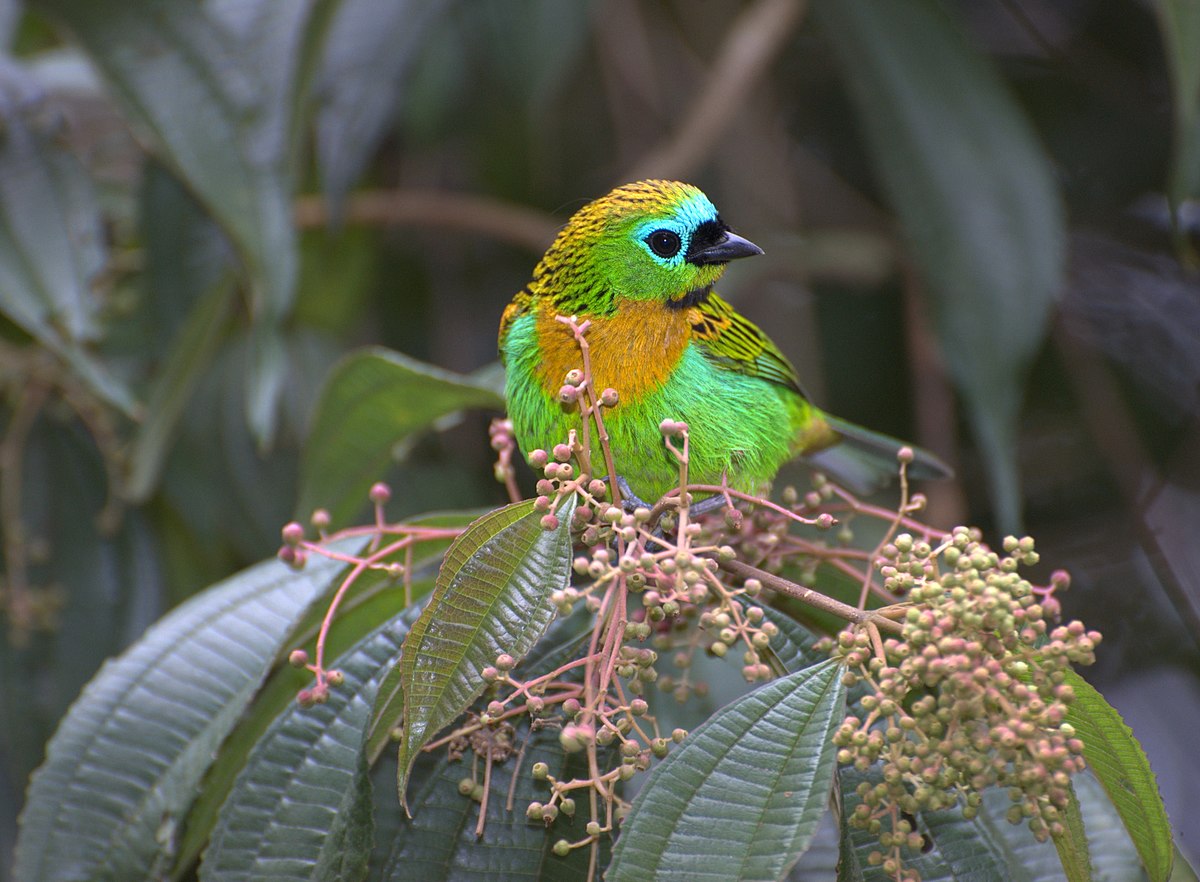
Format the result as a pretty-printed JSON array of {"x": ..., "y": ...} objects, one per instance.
[{"x": 864, "y": 461}]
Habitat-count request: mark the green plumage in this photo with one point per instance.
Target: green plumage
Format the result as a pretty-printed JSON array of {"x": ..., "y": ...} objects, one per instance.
[{"x": 639, "y": 264}]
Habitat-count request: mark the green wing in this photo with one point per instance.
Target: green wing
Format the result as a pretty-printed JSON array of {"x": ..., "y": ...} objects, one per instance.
[{"x": 734, "y": 343}]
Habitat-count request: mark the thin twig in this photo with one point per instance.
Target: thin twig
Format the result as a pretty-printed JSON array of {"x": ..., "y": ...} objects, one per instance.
[
  {"x": 505, "y": 221},
  {"x": 12, "y": 449},
  {"x": 811, "y": 597},
  {"x": 755, "y": 38}
]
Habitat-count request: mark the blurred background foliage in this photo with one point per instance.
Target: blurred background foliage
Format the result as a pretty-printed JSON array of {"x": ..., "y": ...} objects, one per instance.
[{"x": 980, "y": 221}]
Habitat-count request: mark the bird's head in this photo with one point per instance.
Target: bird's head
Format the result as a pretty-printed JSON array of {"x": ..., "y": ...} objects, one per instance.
[{"x": 652, "y": 240}]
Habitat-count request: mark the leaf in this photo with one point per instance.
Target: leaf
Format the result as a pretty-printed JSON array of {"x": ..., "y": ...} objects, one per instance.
[
  {"x": 372, "y": 603},
  {"x": 373, "y": 400},
  {"x": 492, "y": 596},
  {"x": 988, "y": 847},
  {"x": 976, "y": 199},
  {"x": 126, "y": 761},
  {"x": 1072, "y": 846},
  {"x": 1121, "y": 767},
  {"x": 302, "y": 807},
  {"x": 371, "y": 48},
  {"x": 438, "y": 843},
  {"x": 792, "y": 649},
  {"x": 741, "y": 797},
  {"x": 960, "y": 850},
  {"x": 51, "y": 247},
  {"x": 218, "y": 102},
  {"x": 1179, "y": 21},
  {"x": 191, "y": 354}
]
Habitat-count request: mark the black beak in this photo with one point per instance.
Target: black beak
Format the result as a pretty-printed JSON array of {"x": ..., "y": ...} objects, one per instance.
[{"x": 729, "y": 247}]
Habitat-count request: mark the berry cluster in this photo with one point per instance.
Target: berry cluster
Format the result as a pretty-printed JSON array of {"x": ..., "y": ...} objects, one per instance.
[{"x": 971, "y": 695}]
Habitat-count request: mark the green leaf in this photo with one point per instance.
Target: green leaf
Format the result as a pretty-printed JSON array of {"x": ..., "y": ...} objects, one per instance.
[
  {"x": 960, "y": 850},
  {"x": 1179, "y": 21},
  {"x": 128, "y": 758},
  {"x": 218, "y": 101},
  {"x": 51, "y": 250},
  {"x": 372, "y": 401},
  {"x": 741, "y": 797},
  {"x": 1120, "y": 765},
  {"x": 1072, "y": 846},
  {"x": 371, "y": 48},
  {"x": 438, "y": 843},
  {"x": 492, "y": 596},
  {"x": 302, "y": 807},
  {"x": 792, "y": 649},
  {"x": 976, "y": 199},
  {"x": 372, "y": 604},
  {"x": 191, "y": 354}
]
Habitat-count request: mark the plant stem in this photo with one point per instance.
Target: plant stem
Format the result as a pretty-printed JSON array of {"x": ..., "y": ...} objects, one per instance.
[{"x": 812, "y": 598}]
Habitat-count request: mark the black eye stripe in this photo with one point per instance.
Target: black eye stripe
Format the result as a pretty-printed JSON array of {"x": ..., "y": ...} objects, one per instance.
[{"x": 664, "y": 243}]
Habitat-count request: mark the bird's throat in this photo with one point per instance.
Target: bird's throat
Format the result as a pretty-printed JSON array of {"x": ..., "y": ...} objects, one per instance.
[
  {"x": 634, "y": 350},
  {"x": 692, "y": 298}
]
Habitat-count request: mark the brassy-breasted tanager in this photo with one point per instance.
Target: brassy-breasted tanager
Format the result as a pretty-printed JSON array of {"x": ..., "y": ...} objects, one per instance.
[{"x": 640, "y": 264}]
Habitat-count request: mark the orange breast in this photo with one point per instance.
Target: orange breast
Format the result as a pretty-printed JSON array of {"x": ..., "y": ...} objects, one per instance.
[{"x": 633, "y": 351}]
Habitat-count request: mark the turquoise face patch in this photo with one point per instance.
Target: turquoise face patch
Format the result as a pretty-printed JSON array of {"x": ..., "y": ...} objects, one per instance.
[{"x": 689, "y": 214}]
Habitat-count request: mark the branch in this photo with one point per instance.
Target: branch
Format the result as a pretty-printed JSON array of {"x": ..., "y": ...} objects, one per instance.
[
  {"x": 505, "y": 221},
  {"x": 811, "y": 597},
  {"x": 753, "y": 42}
]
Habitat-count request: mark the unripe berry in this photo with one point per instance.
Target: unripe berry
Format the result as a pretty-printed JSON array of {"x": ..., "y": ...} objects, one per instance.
[{"x": 380, "y": 493}]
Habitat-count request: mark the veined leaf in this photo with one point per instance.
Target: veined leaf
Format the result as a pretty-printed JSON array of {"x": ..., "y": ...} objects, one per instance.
[
  {"x": 741, "y": 797},
  {"x": 1121, "y": 767},
  {"x": 373, "y": 400},
  {"x": 792, "y": 649},
  {"x": 302, "y": 807},
  {"x": 438, "y": 844},
  {"x": 1072, "y": 846},
  {"x": 127, "y": 759},
  {"x": 976, "y": 199},
  {"x": 492, "y": 596}
]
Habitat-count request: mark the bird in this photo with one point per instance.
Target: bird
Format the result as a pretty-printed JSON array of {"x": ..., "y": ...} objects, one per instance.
[{"x": 639, "y": 265}]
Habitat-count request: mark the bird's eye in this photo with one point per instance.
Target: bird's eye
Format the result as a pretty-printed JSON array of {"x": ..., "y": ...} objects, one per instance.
[{"x": 664, "y": 243}]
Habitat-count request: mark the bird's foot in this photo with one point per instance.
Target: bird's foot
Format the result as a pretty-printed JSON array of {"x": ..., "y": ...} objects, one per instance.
[
  {"x": 630, "y": 500},
  {"x": 706, "y": 506}
]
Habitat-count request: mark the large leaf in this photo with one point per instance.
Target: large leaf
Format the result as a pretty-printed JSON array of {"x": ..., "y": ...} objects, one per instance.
[
  {"x": 989, "y": 847},
  {"x": 1179, "y": 21},
  {"x": 976, "y": 199},
  {"x": 958, "y": 851},
  {"x": 371, "y": 47},
  {"x": 1121, "y": 767},
  {"x": 218, "y": 101},
  {"x": 438, "y": 844},
  {"x": 127, "y": 759},
  {"x": 492, "y": 596},
  {"x": 372, "y": 401},
  {"x": 741, "y": 797},
  {"x": 301, "y": 808},
  {"x": 51, "y": 245}
]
